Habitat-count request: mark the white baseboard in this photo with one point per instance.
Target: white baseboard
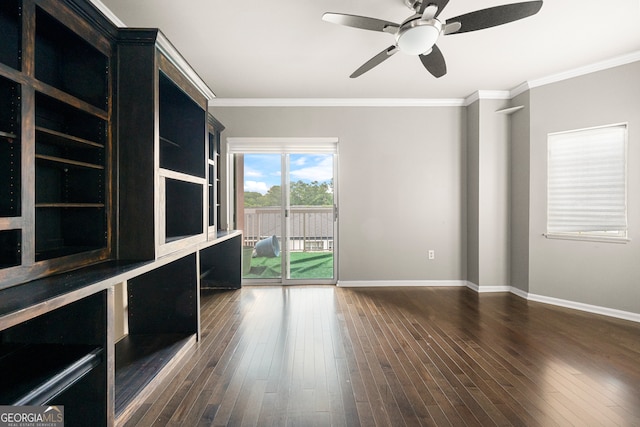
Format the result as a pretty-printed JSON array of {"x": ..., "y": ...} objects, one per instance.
[
  {"x": 519, "y": 292},
  {"x": 611, "y": 312},
  {"x": 618, "y": 314},
  {"x": 487, "y": 289},
  {"x": 399, "y": 283}
]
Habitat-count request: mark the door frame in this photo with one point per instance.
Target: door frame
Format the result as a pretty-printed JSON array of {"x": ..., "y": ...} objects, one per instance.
[{"x": 282, "y": 146}]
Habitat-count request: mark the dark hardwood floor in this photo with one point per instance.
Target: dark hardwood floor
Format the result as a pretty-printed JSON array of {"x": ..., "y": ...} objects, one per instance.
[{"x": 327, "y": 356}]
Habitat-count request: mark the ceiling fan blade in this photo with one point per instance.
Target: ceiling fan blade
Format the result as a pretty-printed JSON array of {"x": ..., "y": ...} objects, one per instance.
[
  {"x": 440, "y": 4},
  {"x": 429, "y": 12},
  {"x": 494, "y": 16},
  {"x": 434, "y": 62},
  {"x": 376, "y": 60},
  {"x": 363, "y": 22}
]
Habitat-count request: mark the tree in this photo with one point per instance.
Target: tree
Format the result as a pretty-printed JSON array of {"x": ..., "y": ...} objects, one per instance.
[
  {"x": 252, "y": 199},
  {"x": 311, "y": 194},
  {"x": 302, "y": 194},
  {"x": 273, "y": 196}
]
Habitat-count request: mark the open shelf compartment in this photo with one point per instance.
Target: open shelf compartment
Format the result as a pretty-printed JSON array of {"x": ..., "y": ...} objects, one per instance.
[
  {"x": 71, "y": 215},
  {"x": 40, "y": 381},
  {"x": 162, "y": 320},
  {"x": 54, "y": 359},
  {"x": 10, "y": 248},
  {"x": 67, "y": 62},
  {"x": 10, "y": 33},
  {"x": 183, "y": 209},
  {"x": 62, "y": 231},
  {"x": 182, "y": 130},
  {"x": 10, "y": 148}
]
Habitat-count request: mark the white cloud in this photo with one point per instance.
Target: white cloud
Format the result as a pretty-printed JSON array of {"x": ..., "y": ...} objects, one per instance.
[
  {"x": 256, "y": 186},
  {"x": 252, "y": 173},
  {"x": 323, "y": 171},
  {"x": 300, "y": 161}
]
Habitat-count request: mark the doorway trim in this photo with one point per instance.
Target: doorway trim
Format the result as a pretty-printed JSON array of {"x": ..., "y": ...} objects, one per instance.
[{"x": 282, "y": 146}]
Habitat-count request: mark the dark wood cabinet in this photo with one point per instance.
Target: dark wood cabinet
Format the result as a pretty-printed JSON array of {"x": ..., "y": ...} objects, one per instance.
[
  {"x": 162, "y": 155},
  {"x": 61, "y": 364},
  {"x": 55, "y": 139},
  {"x": 104, "y": 189}
]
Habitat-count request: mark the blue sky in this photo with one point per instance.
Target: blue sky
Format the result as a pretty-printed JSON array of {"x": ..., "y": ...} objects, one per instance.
[{"x": 262, "y": 171}]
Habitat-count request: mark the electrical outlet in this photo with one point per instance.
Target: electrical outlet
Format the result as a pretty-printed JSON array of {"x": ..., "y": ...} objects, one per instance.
[{"x": 432, "y": 254}]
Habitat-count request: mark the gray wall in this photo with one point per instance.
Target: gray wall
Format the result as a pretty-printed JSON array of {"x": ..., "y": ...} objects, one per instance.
[
  {"x": 602, "y": 274},
  {"x": 473, "y": 192},
  {"x": 519, "y": 193},
  {"x": 488, "y": 193},
  {"x": 401, "y": 191}
]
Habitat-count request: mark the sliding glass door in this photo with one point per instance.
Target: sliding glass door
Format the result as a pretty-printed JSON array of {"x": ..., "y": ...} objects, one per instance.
[
  {"x": 310, "y": 217},
  {"x": 286, "y": 207},
  {"x": 260, "y": 214}
]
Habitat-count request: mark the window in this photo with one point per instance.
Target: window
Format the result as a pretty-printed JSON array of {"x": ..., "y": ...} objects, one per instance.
[{"x": 586, "y": 189}]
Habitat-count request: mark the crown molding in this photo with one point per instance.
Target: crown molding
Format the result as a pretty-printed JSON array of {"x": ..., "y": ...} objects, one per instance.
[
  {"x": 521, "y": 88},
  {"x": 587, "y": 69},
  {"x": 176, "y": 58},
  {"x": 486, "y": 94},
  {"x": 424, "y": 102},
  {"x": 335, "y": 102},
  {"x": 108, "y": 13}
]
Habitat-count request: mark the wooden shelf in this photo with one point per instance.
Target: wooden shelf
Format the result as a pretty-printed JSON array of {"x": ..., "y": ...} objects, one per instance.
[
  {"x": 67, "y": 162},
  {"x": 34, "y": 374},
  {"x": 8, "y": 135},
  {"x": 63, "y": 251},
  {"x": 169, "y": 142},
  {"x": 69, "y": 205},
  {"x": 15, "y": 301},
  {"x": 65, "y": 139},
  {"x": 139, "y": 361}
]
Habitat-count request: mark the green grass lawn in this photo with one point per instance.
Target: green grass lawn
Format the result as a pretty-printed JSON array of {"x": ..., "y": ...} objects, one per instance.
[{"x": 304, "y": 265}]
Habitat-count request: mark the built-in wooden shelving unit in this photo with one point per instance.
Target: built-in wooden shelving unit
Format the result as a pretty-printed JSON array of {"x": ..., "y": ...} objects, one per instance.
[{"x": 91, "y": 207}]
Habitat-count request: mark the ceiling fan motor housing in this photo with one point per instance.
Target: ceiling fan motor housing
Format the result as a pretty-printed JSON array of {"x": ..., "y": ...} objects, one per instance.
[{"x": 417, "y": 36}]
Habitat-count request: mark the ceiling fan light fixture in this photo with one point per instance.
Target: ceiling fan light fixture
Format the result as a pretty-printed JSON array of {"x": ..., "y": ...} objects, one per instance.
[{"x": 418, "y": 37}]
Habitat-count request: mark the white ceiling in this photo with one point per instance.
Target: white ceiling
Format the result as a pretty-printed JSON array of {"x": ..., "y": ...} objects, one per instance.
[{"x": 282, "y": 48}]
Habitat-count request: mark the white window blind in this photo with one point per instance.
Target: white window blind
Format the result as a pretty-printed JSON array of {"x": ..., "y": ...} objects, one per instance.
[
  {"x": 282, "y": 145},
  {"x": 586, "y": 192}
]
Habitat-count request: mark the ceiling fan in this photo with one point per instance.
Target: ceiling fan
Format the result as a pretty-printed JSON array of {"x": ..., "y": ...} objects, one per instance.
[{"x": 418, "y": 34}]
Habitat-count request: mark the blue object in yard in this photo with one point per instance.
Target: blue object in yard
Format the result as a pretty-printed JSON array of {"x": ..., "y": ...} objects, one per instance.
[{"x": 268, "y": 247}]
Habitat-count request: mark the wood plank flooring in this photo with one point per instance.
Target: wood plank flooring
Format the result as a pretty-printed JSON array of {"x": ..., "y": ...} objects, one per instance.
[{"x": 328, "y": 356}]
